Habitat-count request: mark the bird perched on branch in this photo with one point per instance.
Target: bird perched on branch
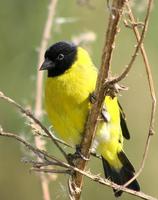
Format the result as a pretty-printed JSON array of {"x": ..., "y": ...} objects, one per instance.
[{"x": 71, "y": 79}]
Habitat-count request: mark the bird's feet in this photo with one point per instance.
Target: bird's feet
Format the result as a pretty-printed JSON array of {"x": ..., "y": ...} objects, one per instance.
[
  {"x": 77, "y": 155},
  {"x": 92, "y": 97}
]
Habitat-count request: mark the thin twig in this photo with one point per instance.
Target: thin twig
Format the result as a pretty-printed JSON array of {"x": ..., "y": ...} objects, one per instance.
[
  {"x": 91, "y": 124},
  {"x": 40, "y": 153},
  {"x": 106, "y": 182},
  {"x": 39, "y": 84},
  {"x": 36, "y": 121},
  {"x": 59, "y": 140},
  {"x": 54, "y": 171},
  {"x": 148, "y": 69},
  {"x": 129, "y": 66},
  {"x": 92, "y": 121},
  {"x": 69, "y": 168},
  {"x": 151, "y": 87},
  {"x": 44, "y": 43}
]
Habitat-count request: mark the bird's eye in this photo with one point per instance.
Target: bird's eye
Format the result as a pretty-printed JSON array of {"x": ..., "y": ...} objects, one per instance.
[{"x": 60, "y": 56}]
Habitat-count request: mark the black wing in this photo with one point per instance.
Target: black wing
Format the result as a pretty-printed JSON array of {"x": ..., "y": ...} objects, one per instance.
[{"x": 124, "y": 128}]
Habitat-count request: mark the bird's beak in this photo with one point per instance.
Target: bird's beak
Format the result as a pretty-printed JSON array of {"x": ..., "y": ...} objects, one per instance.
[{"x": 47, "y": 64}]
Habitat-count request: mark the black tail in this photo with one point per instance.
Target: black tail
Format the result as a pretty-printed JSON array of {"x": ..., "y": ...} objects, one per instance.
[{"x": 121, "y": 176}]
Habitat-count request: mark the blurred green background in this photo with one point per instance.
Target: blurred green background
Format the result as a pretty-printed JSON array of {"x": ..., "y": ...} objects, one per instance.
[{"x": 21, "y": 26}]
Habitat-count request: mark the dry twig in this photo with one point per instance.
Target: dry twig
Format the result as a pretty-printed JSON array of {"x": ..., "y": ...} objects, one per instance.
[
  {"x": 90, "y": 127},
  {"x": 38, "y": 100},
  {"x": 108, "y": 183},
  {"x": 44, "y": 43},
  {"x": 51, "y": 160},
  {"x": 151, "y": 87},
  {"x": 141, "y": 38},
  {"x": 35, "y": 120}
]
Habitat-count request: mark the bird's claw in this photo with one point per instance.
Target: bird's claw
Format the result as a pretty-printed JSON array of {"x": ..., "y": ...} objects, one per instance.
[
  {"x": 92, "y": 98},
  {"x": 77, "y": 155}
]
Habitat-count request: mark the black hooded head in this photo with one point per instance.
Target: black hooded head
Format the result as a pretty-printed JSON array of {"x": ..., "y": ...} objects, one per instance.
[{"x": 59, "y": 57}]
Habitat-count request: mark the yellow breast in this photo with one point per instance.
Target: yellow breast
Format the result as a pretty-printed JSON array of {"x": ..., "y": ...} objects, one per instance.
[
  {"x": 67, "y": 104},
  {"x": 67, "y": 98}
]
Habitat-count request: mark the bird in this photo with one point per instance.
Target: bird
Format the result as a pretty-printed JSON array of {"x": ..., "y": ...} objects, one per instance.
[{"x": 71, "y": 79}]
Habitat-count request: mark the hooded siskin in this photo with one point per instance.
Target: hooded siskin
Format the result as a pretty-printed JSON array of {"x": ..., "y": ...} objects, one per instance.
[{"x": 71, "y": 79}]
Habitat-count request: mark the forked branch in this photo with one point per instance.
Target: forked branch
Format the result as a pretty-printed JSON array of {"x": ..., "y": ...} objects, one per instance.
[
  {"x": 101, "y": 91},
  {"x": 91, "y": 124}
]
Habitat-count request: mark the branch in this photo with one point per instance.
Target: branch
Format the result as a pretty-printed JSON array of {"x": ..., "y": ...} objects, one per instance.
[
  {"x": 40, "y": 154},
  {"x": 37, "y": 123},
  {"x": 39, "y": 83},
  {"x": 44, "y": 43},
  {"x": 151, "y": 87},
  {"x": 106, "y": 182},
  {"x": 47, "y": 160},
  {"x": 141, "y": 38},
  {"x": 35, "y": 120},
  {"x": 90, "y": 127},
  {"x": 51, "y": 160}
]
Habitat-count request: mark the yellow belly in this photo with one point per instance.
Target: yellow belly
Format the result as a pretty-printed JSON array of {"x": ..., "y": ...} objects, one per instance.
[
  {"x": 67, "y": 105},
  {"x": 68, "y": 115},
  {"x": 67, "y": 119}
]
